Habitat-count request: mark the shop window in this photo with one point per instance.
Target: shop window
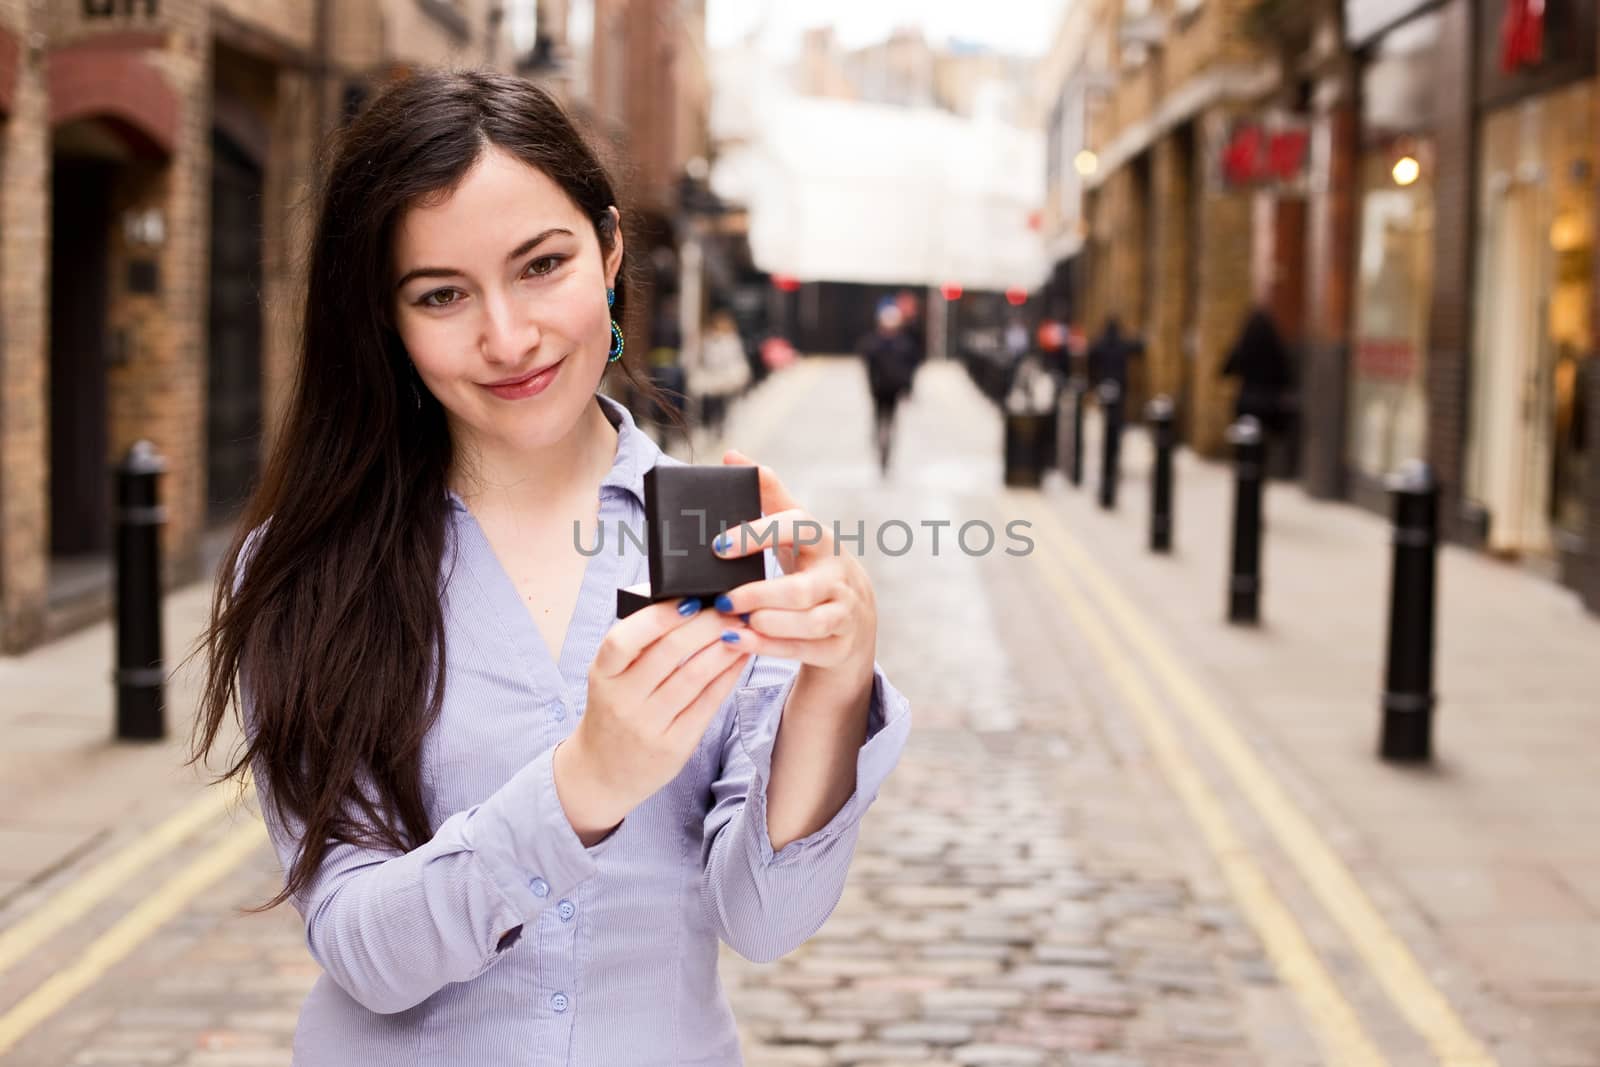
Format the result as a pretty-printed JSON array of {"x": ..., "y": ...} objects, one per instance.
[{"x": 1394, "y": 265}]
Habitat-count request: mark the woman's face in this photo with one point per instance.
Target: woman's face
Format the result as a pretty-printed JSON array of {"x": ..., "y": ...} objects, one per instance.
[{"x": 502, "y": 279}]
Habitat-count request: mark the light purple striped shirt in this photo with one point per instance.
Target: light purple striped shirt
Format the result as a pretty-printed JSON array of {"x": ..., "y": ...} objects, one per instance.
[{"x": 616, "y": 961}]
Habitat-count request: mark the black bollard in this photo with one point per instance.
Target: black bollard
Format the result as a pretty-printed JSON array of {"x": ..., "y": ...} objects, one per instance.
[
  {"x": 1408, "y": 697},
  {"x": 139, "y": 675},
  {"x": 1244, "y": 583},
  {"x": 1163, "y": 424},
  {"x": 1111, "y": 443}
]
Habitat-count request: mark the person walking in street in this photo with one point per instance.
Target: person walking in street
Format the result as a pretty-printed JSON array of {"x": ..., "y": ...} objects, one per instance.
[
  {"x": 517, "y": 828},
  {"x": 911, "y": 323},
  {"x": 719, "y": 372},
  {"x": 1260, "y": 361},
  {"x": 891, "y": 361}
]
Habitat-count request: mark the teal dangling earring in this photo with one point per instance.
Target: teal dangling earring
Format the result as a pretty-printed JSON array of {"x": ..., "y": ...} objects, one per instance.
[{"x": 617, "y": 341}]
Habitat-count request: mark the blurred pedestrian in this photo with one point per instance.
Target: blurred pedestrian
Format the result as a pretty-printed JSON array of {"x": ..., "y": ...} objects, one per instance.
[
  {"x": 719, "y": 372},
  {"x": 1260, "y": 361},
  {"x": 891, "y": 362}
]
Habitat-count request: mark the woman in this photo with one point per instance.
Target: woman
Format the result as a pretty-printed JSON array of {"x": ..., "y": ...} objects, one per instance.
[
  {"x": 516, "y": 827},
  {"x": 720, "y": 372}
]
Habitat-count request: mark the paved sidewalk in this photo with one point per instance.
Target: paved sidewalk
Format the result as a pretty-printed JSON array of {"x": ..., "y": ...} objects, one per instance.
[{"x": 1487, "y": 861}]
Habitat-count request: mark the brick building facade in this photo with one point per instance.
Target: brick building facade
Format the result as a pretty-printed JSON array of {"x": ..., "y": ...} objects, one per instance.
[
  {"x": 1426, "y": 248},
  {"x": 1169, "y": 247}
]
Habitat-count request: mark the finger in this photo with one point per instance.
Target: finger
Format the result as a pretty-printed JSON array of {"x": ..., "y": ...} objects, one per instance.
[
  {"x": 693, "y": 719},
  {"x": 795, "y": 592},
  {"x": 629, "y": 637},
  {"x": 685, "y": 682},
  {"x": 813, "y": 624},
  {"x": 794, "y": 530},
  {"x": 824, "y": 652},
  {"x": 673, "y": 648}
]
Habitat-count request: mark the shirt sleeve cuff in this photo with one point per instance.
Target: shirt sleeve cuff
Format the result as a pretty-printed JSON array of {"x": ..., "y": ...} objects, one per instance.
[
  {"x": 526, "y": 842},
  {"x": 760, "y": 711}
]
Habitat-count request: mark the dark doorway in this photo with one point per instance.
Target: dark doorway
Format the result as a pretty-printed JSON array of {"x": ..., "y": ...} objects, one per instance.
[
  {"x": 233, "y": 343},
  {"x": 80, "y": 477}
]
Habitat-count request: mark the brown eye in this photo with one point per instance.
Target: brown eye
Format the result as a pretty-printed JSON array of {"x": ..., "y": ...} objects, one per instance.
[
  {"x": 543, "y": 265},
  {"x": 429, "y": 301}
]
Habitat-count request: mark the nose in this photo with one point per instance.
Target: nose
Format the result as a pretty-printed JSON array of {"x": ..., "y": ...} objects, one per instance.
[{"x": 509, "y": 331}]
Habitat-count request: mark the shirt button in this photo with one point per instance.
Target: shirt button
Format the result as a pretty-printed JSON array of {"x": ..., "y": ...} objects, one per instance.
[
  {"x": 559, "y": 1002},
  {"x": 566, "y": 909},
  {"x": 540, "y": 887}
]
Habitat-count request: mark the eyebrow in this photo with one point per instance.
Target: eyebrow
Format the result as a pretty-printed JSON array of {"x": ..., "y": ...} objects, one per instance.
[{"x": 448, "y": 272}]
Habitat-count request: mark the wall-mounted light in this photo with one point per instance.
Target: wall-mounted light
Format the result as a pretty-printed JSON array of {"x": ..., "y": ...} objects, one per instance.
[
  {"x": 145, "y": 228},
  {"x": 1086, "y": 162},
  {"x": 1406, "y": 170}
]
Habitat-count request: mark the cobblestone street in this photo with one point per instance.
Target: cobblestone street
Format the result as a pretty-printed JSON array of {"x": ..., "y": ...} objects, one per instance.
[{"x": 1029, "y": 887}]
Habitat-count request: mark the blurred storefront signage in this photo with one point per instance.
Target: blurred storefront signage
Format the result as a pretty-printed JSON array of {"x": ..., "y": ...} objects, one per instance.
[
  {"x": 1256, "y": 153},
  {"x": 105, "y": 9},
  {"x": 1521, "y": 34},
  {"x": 1529, "y": 47}
]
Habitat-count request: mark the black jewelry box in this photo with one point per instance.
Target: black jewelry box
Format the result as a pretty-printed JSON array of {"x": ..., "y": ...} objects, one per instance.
[{"x": 686, "y": 505}]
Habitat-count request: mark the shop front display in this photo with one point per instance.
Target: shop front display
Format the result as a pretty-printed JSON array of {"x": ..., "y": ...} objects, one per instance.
[
  {"x": 1534, "y": 322},
  {"x": 1394, "y": 261}
]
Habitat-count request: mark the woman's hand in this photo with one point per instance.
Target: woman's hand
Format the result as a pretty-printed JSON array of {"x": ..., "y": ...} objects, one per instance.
[
  {"x": 821, "y": 611},
  {"x": 654, "y": 687}
]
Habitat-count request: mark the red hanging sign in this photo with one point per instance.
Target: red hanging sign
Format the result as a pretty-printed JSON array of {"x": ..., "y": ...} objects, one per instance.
[
  {"x": 1521, "y": 35},
  {"x": 1254, "y": 154}
]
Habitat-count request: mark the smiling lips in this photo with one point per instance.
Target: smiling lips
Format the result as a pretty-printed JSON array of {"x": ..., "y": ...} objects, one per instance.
[{"x": 532, "y": 385}]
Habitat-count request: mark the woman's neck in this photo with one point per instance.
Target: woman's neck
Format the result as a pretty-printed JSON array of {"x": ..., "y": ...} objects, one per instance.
[{"x": 501, "y": 481}]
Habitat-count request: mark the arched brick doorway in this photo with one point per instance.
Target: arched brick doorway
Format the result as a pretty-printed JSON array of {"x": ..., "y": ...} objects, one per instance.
[{"x": 114, "y": 122}]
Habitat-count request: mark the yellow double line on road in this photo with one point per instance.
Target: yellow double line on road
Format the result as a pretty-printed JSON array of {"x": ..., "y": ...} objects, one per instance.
[
  {"x": 1332, "y": 1020},
  {"x": 152, "y": 912}
]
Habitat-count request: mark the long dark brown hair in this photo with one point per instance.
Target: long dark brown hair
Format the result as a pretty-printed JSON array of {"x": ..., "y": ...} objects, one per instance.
[{"x": 334, "y": 628}]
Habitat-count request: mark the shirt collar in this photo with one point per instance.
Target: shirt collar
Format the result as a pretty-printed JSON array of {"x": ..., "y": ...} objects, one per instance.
[{"x": 636, "y": 453}]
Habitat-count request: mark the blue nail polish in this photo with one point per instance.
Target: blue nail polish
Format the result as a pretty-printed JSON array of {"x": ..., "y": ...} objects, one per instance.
[
  {"x": 723, "y": 603},
  {"x": 722, "y": 543},
  {"x": 688, "y": 606},
  {"x": 745, "y": 618},
  {"x": 730, "y": 636}
]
